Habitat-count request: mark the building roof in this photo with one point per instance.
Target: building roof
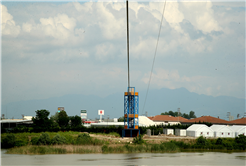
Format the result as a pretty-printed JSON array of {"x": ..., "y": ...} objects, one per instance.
[
  {"x": 238, "y": 128},
  {"x": 14, "y": 121},
  {"x": 167, "y": 118},
  {"x": 195, "y": 127},
  {"x": 218, "y": 128},
  {"x": 241, "y": 121},
  {"x": 208, "y": 119}
]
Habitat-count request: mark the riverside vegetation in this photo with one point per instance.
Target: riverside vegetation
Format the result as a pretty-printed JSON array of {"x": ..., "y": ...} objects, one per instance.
[
  {"x": 61, "y": 134},
  {"x": 77, "y": 142}
]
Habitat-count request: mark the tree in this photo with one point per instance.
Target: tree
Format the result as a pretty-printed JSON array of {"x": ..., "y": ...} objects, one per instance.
[
  {"x": 54, "y": 117},
  {"x": 41, "y": 122},
  {"x": 121, "y": 119},
  {"x": 186, "y": 116},
  {"x": 192, "y": 114},
  {"x": 75, "y": 121},
  {"x": 63, "y": 119}
]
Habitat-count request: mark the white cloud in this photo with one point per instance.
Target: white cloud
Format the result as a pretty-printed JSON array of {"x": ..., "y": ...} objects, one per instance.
[
  {"x": 60, "y": 26},
  {"x": 83, "y": 46},
  {"x": 8, "y": 24},
  {"x": 201, "y": 16}
]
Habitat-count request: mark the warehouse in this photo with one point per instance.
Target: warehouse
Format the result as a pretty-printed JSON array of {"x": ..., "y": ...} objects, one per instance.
[
  {"x": 197, "y": 130},
  {"x": 238, "y": 130},
  {"x": 222, "y": 131}
]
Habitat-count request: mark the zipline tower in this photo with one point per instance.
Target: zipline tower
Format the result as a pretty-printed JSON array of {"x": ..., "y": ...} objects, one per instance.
[{"x": 131, "y": 100}]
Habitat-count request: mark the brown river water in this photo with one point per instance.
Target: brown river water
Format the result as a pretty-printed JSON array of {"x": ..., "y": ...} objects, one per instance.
[{"x": 167, "y": 159}]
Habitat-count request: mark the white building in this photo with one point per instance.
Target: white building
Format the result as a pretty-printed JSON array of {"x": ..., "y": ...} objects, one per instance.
[
  {"x": 238, "y": 130},
  {"x": 145, "y": 121},
  {"x": 197, "y": 130},
  {"x": 180, "y": 132},
  {"x": 222, "y": 131},
  {"x": 107, "y": 124},
  {"x": 168, "y": 131}
]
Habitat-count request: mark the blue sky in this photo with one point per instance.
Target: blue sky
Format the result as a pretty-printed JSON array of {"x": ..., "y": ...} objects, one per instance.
[{"x": 51, "y": 49}]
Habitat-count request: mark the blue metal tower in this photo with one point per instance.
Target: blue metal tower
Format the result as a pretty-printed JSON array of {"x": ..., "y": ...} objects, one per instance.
[{"x": 131, "y": 111}]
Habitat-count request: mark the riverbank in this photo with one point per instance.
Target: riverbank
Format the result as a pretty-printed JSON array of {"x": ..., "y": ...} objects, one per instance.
[
  {"x": 86, "y": 149},
  {"x": 81, "y": 143}
]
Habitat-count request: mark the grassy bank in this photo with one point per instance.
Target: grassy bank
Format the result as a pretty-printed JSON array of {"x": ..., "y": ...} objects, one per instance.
[
  {"x": 77, "y": 142},
  {"x": 78, "y": 149}
]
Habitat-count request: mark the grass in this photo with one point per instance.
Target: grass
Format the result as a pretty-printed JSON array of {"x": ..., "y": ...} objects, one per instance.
[
  {"x": 37, "y": 150},
  {"x": 114, "y": 134}
]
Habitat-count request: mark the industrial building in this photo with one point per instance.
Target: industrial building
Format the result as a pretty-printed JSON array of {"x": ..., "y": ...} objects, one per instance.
[
  {"x": 222, "y": 131},
  {"x": 197, "y": 130}
]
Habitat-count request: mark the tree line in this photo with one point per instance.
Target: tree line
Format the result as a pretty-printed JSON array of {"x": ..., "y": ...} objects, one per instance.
[
  {"x": 184, "y": 115},
  {"x": 57, "y": 122}
]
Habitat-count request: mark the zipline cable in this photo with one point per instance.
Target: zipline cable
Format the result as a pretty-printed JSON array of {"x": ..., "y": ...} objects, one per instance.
[
  {"x": 154, "y": 55},
  {"x": 127, "y": 23}
]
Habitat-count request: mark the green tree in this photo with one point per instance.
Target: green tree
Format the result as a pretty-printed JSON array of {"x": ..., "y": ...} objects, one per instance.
[
  {"x": 41, "y": 122},
  {"x": 75, "y": 121},
  {"x": 54, "y": 118},
  {"x": 63, "y": 119},
  {"x": 8, "y": 141},
  {"x": 241, "y": 141},
  {"x": 192, "y": 114},
  {"x": 121, "y": 119},
  {"x": 186, "y": 116}
]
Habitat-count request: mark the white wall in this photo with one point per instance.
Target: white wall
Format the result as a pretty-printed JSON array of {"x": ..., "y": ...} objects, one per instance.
[
  {"x": 168, "y": 131},
  {"x": 180, "y": 132},
  {"x": 197, "y": 130}
]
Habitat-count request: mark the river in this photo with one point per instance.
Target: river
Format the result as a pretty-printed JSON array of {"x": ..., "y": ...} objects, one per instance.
[{"x": 167, "y": 159}]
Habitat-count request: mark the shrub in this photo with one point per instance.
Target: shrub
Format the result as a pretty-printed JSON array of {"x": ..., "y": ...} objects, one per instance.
[
  {"x": 84, "y": 139},
  {"x": 181, "y": 144},
  {"x": 241, "y": 141},
  {"x": 8, "y": 141},
  {"x": 34, "y": 141},
  {"x": 202, "y": 141},
  {"x": 58, "y": 140},
  {"x": 138, "y": 140},
  {"x": 21, "y": 143},
  {"x": 228, "y": 144},
  {"x": 219, "y": 141},
  {"x": 105, "y": 149},
  {"x": 44, "y": 139}
]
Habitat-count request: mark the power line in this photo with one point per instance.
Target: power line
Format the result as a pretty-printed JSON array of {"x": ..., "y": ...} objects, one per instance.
[{"x": 154, "y": 55}]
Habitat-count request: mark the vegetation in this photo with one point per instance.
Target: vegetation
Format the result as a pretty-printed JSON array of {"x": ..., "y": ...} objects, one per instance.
[
  {"x": 76, "y": 142},
  {"x": 63, "y": 119},
  {"x": 184, "y": 115},
  {"x": 45, "y": 137},
  {"x": 138, "y": 140},
  {"x": 41, "y": 122}
]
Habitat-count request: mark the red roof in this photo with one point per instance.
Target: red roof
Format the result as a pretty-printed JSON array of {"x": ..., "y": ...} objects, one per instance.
[
  {"x": 239, "y": 121},
  {"x": 208, "y": 119},
  {"x": 167, "y": 118}
]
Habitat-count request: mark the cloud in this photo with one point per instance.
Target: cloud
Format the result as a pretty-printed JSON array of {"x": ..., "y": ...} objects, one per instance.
[
  {"x": 80, "y": 47},
  {"x": 201, "y": 16},
  {"x": 8, "y": 24}
]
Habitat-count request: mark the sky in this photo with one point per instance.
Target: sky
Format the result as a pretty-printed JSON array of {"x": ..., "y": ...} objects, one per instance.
[{"x": 50, "y": 49}]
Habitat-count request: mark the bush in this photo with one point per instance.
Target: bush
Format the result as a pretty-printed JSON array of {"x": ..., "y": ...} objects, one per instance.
[
  {"x": 59, "y": 140},
  {"x": 44, "y": 139},
  {"x": 181, "y": 144},
  {"x": 202, "y": 141},
  {"x": 21, "y": 143},
  {"x": 83, "y": 139},
  {"x": 219, "y": 141},
  {"x": 241, "y": 141},
  {"x": 8, "y": 141},
  {"x": 138, "y": 140},
  {"x": 34, "y": 141}
]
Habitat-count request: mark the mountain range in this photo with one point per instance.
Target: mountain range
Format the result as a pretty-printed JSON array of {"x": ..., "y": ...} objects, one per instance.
[{"x": 157, "y": 101}]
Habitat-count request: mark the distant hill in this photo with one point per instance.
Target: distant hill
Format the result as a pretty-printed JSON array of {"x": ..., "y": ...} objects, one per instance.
[{"x": 158, "y": 101}]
